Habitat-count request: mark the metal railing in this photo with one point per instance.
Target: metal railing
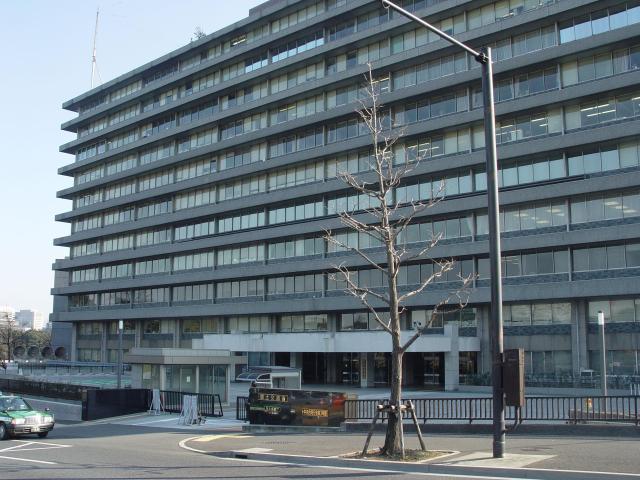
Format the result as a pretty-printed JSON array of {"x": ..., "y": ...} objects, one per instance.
[
  {"x": 623, "y": 409},
  {"x": 241, "y": 408},
  {"x": 209, "y": 404},
  {"x": 614, "y": 408}
]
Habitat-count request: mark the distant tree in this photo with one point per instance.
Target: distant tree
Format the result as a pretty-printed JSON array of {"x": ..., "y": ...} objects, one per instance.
[
  {"x": 39, "y": 338},
  {"x": 198, "y": 34},
  {"x": 9, "y": 338}
]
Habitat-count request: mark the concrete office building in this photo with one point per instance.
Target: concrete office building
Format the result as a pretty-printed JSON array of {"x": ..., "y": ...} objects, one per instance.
[
  {"x": 30, "y": 319},
  {"x": 203, "y": 182},
  {"x": 7, "y": 315}
]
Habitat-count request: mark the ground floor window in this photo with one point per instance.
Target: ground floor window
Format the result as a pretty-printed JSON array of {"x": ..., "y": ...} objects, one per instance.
[
  {"x": 89, "y": 355},
  {"x": 619, "y": 362}
]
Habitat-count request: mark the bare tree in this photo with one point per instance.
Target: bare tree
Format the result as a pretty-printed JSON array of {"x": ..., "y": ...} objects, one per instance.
[
  {"x": 385, "y": 222},
  {"x": 198, "y": 34},
  {"x": 10, "y": 335}
]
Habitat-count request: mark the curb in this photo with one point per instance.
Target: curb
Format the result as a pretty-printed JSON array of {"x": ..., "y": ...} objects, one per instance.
[
  {"x": 601, "y": 430},
  {"x": 419, "y": 468},
  {"x": 292, "y": 429}
]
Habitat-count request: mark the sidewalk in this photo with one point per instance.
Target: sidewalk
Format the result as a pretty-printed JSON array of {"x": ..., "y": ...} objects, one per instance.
[{"x": 527, "y": 456}]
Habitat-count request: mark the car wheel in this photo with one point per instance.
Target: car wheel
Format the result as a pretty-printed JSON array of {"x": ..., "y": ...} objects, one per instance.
[
  {"x": 43, "y": 434},
  {"x": 4, "y": 434}
]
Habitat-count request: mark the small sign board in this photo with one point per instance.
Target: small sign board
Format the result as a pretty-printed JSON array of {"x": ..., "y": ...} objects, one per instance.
[{"x": 270, "y": 406}]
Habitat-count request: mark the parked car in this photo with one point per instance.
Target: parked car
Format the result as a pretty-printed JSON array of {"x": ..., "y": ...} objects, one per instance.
[{"x": 17, "y": 417}]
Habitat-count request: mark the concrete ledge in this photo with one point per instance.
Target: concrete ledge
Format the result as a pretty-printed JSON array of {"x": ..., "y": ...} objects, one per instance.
[
  {"x": 558, "y": 429},
  {"x": 292, "y": 429}
]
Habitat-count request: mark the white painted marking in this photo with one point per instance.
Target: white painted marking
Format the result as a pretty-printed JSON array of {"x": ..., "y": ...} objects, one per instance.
[
  {"x": 485, "y": 459},
  {"x": 183, "y": 444},
  {"x": 255, "y": 450},
  {"x": 17, "y": 446},
  {"x": 28, "y": 460},
  {"x": 151, "y": 421}
]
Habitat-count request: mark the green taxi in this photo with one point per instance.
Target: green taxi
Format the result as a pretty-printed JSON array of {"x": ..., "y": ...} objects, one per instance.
[{"x": 18, "y": 418}]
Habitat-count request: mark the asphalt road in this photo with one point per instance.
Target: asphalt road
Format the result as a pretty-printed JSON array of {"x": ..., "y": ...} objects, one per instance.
[
  {"x": 114, "y": 451},
  {"x": 106, "y": 451}
]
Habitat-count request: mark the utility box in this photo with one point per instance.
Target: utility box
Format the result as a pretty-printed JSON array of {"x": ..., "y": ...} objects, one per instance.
[{"x": 513, "y": 377}]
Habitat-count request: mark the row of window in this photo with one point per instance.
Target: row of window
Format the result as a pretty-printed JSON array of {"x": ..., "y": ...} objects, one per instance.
[
  {"x": 336, "y": 64},
  {"x": 514, "y": 314},
  {"x": 605, "y": 257},
  {"x": 583, "y": 209},
  {"x": 521, "y": 172},
  {"x": 476, "y": 18}
]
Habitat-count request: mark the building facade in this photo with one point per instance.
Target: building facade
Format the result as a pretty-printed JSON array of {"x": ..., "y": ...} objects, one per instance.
[
  {"x": 7, "y": 315},
  {"x": 30, "y": 320},
  {"x": 204, "y": 182}
]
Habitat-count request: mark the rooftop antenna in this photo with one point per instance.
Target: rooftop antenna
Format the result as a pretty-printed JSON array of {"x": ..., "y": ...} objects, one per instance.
[{"x": 94, "y": 61}]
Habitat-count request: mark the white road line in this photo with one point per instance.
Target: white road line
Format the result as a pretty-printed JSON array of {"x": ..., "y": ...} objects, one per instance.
[
  {"x": 182, "y": 444},
  {"x": 175, "y": 419},
  {"x": 20, "y": 445},
  {"x": 368, "y": 470},
  {"x": 28, "y": 460}
]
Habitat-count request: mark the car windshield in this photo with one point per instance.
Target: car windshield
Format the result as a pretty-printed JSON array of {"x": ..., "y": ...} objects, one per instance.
[{"x": 14, "y": 404}]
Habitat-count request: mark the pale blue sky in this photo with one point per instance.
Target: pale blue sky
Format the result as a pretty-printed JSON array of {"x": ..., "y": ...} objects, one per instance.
[{"x": 45, "y": 54}]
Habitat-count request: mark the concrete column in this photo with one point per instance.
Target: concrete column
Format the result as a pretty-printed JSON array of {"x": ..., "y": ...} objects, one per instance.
[
  {"x": 452, "y": 359},
  {"x": 136, "y": 375},
  {"x": 103, "y": 342},
  {"x": 176, "y": 333},
  {"x": 370, "y": 370},
  {"x": 579, "y": 335},
  {"x": 295, "y": 360},
  {"x": 138, "y": 335},
  {"x": 364, "y": 370},
  {"x": 332, "y": 359},
  {"x": 163, "y": 377},
  {"x": 73, "y": 354}
]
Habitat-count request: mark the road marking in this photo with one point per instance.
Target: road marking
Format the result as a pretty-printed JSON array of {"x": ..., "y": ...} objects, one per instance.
[
  {"x": 361, "y": 469},
  {"x": 485, "y": 459},
  {"x": 210, "y": 438},
  {"x": 255, "y": 450},
  {"x": 28, "y": 460},
  {"x": 25, "y": 446},
  {"x": 17, "y": 446},
  {"x": 152, "y": 421}
]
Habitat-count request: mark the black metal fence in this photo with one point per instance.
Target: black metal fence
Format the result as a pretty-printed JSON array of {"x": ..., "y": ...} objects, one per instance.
[
  {"x": 621, "y": 408},
  {"x": 106, "y": 403},
  {"x": 624, "y": 409},
  {"x": 42, "y": 389},
  {"x": 209, "y": 405},
  {"x": 241, "y": 408}
]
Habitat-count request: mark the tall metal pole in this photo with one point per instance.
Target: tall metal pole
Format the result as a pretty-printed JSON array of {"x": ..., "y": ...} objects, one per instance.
[
  {"x": 497, "y": 343},
  {"x": 120, "y": 328},
  {"x": 603, "y": 355}
]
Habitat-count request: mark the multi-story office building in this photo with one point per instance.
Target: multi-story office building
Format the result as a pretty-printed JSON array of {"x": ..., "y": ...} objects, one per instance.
[
  {"x": 7, "y": 315},
  {"x": 204, "y": 181},
  {"x": 30, "y": 319}
]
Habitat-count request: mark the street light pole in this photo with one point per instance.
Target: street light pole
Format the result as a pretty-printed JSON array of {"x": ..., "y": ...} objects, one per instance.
[
  {"x": 603, "y": 366},
  {"x": 120, "y": 329},
  {"x": 491, "y": 158}
]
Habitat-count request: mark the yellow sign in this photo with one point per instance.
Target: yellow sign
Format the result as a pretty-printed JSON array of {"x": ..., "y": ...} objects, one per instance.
[
  {"x": 274, "y": 397},
  {"x": 315, "y": 412}
]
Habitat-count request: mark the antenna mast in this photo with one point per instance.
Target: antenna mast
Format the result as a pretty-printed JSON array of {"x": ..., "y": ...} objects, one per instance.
[{"x": 94, "y": 61}]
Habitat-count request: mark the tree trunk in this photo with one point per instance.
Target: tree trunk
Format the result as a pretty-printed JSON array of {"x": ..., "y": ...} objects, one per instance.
[{"x": 394, "y": 440}]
